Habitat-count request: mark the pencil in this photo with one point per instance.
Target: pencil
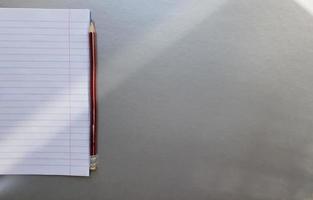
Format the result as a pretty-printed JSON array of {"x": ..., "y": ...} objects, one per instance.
[{"x": 93, "y": 95}]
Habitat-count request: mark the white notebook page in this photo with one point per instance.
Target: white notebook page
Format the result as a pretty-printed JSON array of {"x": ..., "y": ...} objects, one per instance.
[{"x": 44, "y": 91}]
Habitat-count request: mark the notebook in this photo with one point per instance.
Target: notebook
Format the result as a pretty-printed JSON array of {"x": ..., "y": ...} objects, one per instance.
[{"x": 44, "y": 91}]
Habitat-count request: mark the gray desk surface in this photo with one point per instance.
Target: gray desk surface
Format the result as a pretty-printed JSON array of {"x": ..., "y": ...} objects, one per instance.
[{"x": 198, "y": 100}]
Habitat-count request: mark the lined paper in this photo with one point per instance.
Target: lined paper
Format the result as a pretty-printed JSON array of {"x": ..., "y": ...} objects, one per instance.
[{"x": 44, "y": 91}]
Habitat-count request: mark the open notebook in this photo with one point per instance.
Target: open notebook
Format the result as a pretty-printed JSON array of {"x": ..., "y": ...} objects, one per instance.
[{"x": 44, "y": 91}]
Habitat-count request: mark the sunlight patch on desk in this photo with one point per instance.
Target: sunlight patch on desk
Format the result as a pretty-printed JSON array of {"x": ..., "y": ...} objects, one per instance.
[
  {"x": 306, "y": 4},
  {"x": 145, "y": 48}
]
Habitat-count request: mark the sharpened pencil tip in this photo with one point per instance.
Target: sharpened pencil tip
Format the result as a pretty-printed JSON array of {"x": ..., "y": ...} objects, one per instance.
[{"x": 92, "y": 28}]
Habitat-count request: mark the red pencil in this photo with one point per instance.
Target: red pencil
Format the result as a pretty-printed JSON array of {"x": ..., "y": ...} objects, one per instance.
[{"x": 93, "y": 95}]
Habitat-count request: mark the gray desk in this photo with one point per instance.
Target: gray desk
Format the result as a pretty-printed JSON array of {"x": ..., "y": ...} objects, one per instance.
[{"x": 198, "y": 100}]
